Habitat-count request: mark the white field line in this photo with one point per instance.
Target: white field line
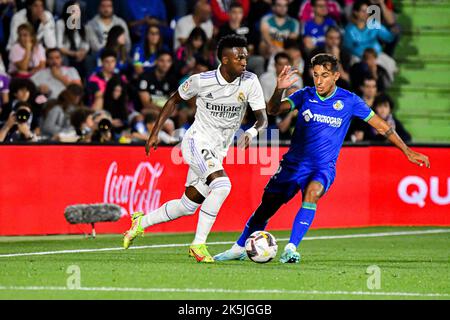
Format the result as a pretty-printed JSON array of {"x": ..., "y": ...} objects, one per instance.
[
  {"x": 173, "y": 245},
  {"x": 221, "y": 290}
]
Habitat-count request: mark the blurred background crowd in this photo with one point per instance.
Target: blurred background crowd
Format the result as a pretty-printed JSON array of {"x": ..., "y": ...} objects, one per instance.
[{"x": 100, "y": 71}]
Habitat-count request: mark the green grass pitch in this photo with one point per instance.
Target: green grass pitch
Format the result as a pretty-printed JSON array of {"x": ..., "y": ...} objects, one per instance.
[{"x": 411, "y": 264}]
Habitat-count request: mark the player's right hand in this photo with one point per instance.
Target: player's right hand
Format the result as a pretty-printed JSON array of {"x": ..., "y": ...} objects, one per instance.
[
  {"x": 285, "y": 78},
  {"x": 152, "y": 142}
]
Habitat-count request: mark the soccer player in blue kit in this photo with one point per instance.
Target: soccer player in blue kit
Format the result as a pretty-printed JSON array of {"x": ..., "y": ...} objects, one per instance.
[{"x": 324, "y": 115}]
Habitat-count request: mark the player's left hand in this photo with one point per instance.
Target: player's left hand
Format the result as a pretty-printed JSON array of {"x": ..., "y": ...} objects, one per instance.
[
  {"x": 152, "y": 142},
  {"x": 244, "y": 140},
  {"x": 418, "y": 158}
]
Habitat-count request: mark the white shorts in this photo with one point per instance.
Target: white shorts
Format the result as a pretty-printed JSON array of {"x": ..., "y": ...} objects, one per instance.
[{"x": 202, "y": 160}]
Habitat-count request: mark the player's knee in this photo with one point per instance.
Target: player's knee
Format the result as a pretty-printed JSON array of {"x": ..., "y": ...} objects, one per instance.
[
  {"x": 312, "y": 195},
  {"x": 187, "y": 207},
  {"x": 221, "y": 187}
]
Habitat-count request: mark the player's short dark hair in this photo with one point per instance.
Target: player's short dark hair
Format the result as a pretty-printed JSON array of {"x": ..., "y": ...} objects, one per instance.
[
  {"x": 327, "y": 60},
  {"x": 108, "y": 52},
  {"x": 281, "y": 55},
  {"x": 230, "y": 41},
  {"x": 383, "y": 98}
]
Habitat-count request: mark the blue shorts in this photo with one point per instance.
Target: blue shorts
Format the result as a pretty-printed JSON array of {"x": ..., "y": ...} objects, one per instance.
[{"x": 289, "y": 179}]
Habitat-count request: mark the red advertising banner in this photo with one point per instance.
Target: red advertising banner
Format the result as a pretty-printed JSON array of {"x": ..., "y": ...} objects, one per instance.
[{"x": 374, "y": 186}]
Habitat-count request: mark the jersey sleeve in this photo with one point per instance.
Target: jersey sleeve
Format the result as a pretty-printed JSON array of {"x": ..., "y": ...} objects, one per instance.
[
  {"x": 361, "y": 110},
  {"x": 295, "y": 99},
  {"x": 256, "y": 96},
  {"x": 190, "y": 88}
]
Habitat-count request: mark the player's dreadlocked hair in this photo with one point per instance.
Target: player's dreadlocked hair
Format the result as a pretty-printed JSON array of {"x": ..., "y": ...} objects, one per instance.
[
  {"x": 329, "y": 61},
  {"x": 230, "y": 41}
]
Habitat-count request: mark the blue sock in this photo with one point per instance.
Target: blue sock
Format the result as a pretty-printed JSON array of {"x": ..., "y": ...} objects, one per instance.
[
  {"x": 250, "y": 227},
  {"x": 302, "y": 221}
]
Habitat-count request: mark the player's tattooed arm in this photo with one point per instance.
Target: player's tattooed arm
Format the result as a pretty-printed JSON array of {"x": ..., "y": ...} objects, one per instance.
[
  {"x": 383, "y": 128},
  {"x": 165, "y": 113}
]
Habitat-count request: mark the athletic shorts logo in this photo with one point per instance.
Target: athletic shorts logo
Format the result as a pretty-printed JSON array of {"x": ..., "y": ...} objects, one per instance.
[{"x": 338, "y": 105}]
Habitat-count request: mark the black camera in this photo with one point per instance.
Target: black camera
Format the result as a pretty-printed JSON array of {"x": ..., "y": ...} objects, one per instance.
[
  {"x": 104, "y": 125},
  {"x": 22, "y": 115}
]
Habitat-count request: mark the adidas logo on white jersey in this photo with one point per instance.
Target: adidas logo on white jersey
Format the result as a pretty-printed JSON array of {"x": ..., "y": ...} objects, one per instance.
[{"x": 209, "y": 96}]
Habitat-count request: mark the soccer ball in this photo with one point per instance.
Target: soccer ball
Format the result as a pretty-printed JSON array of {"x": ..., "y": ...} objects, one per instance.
[{"x": 261, "y": 246}]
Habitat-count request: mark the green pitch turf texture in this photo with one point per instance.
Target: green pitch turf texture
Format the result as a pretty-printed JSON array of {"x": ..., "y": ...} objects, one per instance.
[{"x": 411, "y": 266}]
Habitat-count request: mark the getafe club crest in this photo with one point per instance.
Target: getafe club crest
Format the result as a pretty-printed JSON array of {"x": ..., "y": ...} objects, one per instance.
[
  {"x": 241, "y": 97},
  {"x": 338, "y": 105}
]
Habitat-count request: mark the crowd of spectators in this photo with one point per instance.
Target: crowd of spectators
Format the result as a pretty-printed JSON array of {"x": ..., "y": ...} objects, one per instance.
[{"x": 100, "y": 71}]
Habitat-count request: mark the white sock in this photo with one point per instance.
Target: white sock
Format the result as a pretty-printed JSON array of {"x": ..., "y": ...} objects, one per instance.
[
  {"x": 170, "y": 210},
  {"x": 220, "y": 188}
]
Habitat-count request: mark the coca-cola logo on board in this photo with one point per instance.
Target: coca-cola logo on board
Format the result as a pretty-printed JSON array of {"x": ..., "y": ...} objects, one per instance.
[{"x": 137, "y": 192}]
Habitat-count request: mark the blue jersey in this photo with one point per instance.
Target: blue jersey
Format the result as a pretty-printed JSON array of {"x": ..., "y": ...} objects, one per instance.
[{"x": 322, "y": 124}]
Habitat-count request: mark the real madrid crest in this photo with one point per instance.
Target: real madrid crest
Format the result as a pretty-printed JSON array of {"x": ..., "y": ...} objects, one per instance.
[
  {"x": 338, "y": 105},
  {"x": 241, "y": 97}
]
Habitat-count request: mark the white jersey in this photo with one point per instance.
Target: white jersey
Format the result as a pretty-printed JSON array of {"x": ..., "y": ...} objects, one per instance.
[{"x": 221, "y": 105}]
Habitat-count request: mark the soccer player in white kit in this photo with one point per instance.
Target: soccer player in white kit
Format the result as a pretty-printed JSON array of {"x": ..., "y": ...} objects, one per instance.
[{"x": 222, "y": 98}]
